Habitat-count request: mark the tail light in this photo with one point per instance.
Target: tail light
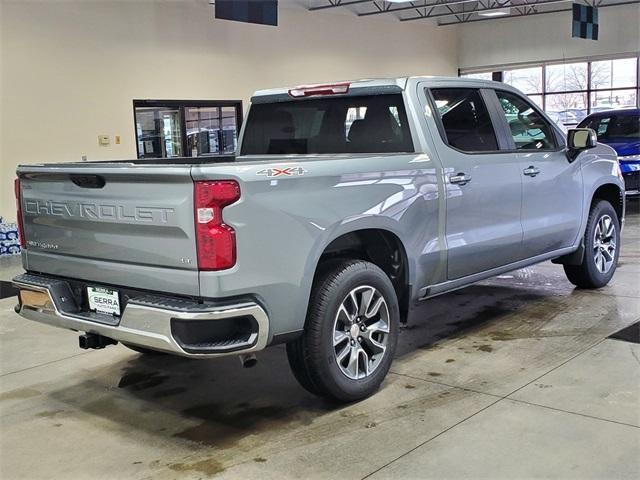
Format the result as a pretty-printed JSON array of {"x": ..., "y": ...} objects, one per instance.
[
  {"x": 18, "y": 193},
  {"x": 215, "y": 241},
  {"x": 313, "y": 90}
]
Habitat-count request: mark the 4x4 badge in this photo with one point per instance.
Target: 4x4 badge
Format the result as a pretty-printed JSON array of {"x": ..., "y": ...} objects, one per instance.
[{"x": 282, "y": 172}]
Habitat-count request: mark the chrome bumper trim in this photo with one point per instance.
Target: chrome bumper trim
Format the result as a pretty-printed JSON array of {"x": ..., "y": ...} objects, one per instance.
[{"x": 149, "y": 326}]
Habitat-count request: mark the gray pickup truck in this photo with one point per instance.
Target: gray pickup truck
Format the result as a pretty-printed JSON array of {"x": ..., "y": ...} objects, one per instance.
[{"x": 346, "y": 206}]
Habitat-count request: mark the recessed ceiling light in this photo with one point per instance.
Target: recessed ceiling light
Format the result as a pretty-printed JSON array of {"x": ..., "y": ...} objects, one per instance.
[{"x": 497, "y": 12}]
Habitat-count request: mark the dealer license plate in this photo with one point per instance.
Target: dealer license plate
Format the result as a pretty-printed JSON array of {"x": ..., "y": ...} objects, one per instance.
[{"x": 104, "y": 300}]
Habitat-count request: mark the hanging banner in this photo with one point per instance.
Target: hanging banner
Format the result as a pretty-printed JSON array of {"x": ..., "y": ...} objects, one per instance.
[
  {"x": 264, "y": 12},
  {"x": 585, "y": 22}
]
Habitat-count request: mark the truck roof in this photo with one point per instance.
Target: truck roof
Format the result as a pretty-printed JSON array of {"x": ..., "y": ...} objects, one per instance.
[{"x": 399, "y": 83}]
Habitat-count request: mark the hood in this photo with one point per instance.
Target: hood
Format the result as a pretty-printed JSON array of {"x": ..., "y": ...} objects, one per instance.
[{"x": 623, "y": 146}]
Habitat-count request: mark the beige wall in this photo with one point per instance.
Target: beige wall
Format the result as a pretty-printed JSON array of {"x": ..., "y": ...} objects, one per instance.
[
  {"x": 70, "y": 69},
  {"x": 547, "y": 37}
]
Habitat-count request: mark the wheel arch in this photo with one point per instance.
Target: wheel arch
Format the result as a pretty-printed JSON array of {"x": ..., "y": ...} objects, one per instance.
[
  {"x": 380, "y": 246},
  {"x": 613, "y": 194}
]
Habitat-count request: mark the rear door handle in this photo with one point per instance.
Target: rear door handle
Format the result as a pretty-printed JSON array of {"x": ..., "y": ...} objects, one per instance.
[
  {"x": 460, "y": 178},
  {"x": 531, "y": 171}
]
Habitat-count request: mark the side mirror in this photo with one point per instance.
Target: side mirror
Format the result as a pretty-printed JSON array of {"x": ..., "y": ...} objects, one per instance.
[{"x": 579, "y": 139}]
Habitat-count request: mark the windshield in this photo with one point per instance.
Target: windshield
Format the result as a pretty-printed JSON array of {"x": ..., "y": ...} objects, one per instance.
[
  {"x": 357, "y": 124},
  {"x": 615, "y": 127}
]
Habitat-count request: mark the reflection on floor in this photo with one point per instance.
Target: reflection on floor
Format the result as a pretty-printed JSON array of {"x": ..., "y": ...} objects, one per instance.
[{"x": 512, "y": 378}]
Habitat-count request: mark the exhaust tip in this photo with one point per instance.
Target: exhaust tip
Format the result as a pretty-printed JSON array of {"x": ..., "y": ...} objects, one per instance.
[{"x": 248, "y": 360}]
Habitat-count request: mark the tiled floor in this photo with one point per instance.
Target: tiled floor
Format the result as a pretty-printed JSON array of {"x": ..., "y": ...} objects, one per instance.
[{"x": 512, "y": 378}]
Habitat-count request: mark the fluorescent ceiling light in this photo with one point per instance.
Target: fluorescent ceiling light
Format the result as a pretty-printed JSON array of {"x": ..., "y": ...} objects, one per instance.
[
  {"x": 399, "y": 1},
  {"x": 497, "y": 12}
]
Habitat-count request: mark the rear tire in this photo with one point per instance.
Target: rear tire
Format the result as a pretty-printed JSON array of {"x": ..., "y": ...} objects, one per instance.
[
  {"x": 143, "y": 350},
  {"x": 350, "y": 333},
  {"x": 602, "y": 248}
]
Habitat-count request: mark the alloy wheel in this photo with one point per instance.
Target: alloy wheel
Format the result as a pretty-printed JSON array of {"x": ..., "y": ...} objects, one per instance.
[
  {"x": 360, "y": 332},
  {"x": 604, "y": 244}
]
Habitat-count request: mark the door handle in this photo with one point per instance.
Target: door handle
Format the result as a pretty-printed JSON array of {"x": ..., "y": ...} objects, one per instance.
[
  {"x": 460, "y": 178},
  {"x": 531, "y": 171}
]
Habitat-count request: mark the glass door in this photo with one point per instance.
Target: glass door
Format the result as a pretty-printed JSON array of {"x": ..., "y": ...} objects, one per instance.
[
  {"x": 229, "y": 122},
  {"x": 203, "y": 131},
  {"x": 158, "y": 132}
]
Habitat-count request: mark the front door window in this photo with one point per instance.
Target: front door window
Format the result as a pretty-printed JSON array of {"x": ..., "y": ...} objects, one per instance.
[{"x": 529, "y": 129}]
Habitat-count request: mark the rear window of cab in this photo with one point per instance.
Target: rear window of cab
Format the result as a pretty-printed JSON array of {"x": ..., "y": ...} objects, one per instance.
[{"x": 353, "y": 124}]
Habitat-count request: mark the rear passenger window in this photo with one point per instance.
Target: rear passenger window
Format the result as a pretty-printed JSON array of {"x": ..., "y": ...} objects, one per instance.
[
  {"x": 465, "y": 119},
  {"x": 529, "y": 129}
]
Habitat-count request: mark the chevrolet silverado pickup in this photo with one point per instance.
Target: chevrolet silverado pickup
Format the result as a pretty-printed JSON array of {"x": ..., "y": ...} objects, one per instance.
[{"x": 346, "y": 205}]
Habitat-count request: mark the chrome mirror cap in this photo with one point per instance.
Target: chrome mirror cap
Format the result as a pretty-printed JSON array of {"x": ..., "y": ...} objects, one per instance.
[{"x": 581, "y": 138}]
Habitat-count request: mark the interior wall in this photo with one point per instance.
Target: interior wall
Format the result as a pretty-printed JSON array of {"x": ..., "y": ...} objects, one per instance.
[
  {"x": 547, "y": 37},
  {"x": 70, "y": 68}
]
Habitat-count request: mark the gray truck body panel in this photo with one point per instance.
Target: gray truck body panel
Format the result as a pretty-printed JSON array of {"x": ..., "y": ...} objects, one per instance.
[{"x": 138, "y": 231}]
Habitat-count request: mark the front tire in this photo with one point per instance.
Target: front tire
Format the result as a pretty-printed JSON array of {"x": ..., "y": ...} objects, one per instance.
[
  {"x": 602, "y": 248},
  {"x": 350, "y": 333}
]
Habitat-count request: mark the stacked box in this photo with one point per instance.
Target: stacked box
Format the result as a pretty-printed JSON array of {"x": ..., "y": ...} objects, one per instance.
[{"x": 9, "y": 238}]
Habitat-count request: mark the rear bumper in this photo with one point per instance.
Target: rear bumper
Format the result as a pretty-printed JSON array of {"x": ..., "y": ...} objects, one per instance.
[{"x": 171, "y": 324}]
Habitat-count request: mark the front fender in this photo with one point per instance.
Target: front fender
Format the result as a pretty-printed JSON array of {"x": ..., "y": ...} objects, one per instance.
[{"x": 599, "y": 168}]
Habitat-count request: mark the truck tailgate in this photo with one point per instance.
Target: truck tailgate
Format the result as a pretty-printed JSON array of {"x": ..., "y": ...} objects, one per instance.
[{"x": 119, "y": 224}]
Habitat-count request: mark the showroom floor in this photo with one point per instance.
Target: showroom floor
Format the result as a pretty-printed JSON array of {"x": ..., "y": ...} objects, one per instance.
[{"x": 513, "y": 378}]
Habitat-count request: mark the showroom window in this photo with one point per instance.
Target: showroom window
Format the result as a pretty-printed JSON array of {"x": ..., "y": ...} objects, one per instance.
[
  {"x": 480, "y": 76},
  {"x": 465, "y": 119},
  {"x": 193, "y": 128},
  {"x": 571, "y": 90},
  {"x": 527, "y": 80}
]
